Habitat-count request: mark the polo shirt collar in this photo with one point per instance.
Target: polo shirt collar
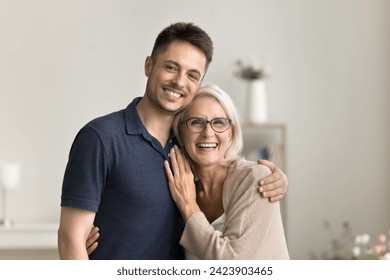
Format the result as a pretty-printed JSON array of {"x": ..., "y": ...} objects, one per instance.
[{"x": 134, "y": 124}]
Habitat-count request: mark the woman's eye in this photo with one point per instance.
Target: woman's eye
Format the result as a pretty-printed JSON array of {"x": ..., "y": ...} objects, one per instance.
[
  {"x": 218, "y": 121},
  {"x": 197, "y": 122}
]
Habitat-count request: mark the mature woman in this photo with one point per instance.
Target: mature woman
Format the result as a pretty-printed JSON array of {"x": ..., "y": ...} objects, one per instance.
[{"x": 225, "y": 217}]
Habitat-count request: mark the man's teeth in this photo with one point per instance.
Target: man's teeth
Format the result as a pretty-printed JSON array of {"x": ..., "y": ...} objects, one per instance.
[
  {"x": 173, "y": 94},
  {"x": 207, "y": 145}
]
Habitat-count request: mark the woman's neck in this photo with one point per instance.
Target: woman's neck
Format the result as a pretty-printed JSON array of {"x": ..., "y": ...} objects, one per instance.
[
  {"x": 211, "y": 177},
  {"x": 209, "y": 191}
]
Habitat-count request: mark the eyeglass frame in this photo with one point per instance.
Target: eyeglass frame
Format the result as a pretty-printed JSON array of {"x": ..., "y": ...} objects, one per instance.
[{"x": 207, "y": 122}]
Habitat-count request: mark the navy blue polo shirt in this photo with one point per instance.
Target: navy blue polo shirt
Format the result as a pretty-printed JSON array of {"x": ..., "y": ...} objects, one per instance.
[{"x": 116, "y": 169}]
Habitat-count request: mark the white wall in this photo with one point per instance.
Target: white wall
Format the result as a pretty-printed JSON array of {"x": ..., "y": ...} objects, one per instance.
[{"x": 63, "y": 63}]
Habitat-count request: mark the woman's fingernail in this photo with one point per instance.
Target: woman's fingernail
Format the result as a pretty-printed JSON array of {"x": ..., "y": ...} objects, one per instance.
[{"x": 261, "y": 189}]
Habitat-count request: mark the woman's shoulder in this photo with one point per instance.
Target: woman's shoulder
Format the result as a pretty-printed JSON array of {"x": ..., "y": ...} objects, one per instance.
[
  {"x": 244, "y": 176},
  {"x": 243, "y": 167},
  {"x": 242, "y": 183}
]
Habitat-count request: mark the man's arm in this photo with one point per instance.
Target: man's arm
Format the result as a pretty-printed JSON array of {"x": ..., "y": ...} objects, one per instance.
[
  {"x": 273, "y": 186},
  {"x": 75, "y": 226}
]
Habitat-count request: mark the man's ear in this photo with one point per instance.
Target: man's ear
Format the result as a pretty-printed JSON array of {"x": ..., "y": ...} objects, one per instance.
[{"x": 148, "y": 66}]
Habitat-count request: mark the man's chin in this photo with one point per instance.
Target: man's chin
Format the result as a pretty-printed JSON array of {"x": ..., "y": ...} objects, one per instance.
[
  {"x": 174, "y": 108},
  {"x": 173, "y": 111}
]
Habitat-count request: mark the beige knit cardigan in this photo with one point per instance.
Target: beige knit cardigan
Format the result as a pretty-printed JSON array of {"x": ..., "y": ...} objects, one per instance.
[{"x": 253, "y": 227}]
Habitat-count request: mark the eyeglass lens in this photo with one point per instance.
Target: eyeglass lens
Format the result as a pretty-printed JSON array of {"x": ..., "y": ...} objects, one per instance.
[{"x": 199, "y": 124}]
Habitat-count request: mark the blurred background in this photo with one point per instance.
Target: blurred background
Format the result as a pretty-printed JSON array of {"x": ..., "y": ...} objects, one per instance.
[{"x": 63, "y": 63}]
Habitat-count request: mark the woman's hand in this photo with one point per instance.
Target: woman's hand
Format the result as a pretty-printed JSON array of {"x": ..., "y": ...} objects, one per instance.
[
  {"x": 92, "y": 243},
  {"x": 181, "y": 183},
  {"x": 275, "y": 185}
]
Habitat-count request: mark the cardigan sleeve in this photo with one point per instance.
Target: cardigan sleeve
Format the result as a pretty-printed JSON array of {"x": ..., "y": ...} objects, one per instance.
[{"x": 250, "y": 220}]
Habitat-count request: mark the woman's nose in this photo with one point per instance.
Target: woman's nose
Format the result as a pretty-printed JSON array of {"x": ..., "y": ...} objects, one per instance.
[{"x": 208, "y": 130}]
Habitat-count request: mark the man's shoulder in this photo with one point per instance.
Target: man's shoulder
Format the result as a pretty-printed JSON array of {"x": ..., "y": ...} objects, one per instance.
[
  {"x": 115, "y": 121},
  {"x": 107, "y": 123},
  {"x": 108, "y": 118}
]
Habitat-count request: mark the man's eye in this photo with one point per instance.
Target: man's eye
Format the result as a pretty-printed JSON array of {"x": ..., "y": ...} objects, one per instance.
[
  {"x": 193, "y": 77},
  {"x": 171, "y": 68}
]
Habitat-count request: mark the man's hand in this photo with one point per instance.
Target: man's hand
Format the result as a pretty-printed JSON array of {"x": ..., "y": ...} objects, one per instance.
[{"x": 275, "y": 185}]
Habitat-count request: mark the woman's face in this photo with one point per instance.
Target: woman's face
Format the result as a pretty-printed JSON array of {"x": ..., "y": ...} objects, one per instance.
[{"x": 207, "y": 147}]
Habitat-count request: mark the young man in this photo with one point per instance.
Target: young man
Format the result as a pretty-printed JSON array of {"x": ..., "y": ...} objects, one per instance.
[{"x": 115, "y": 176}]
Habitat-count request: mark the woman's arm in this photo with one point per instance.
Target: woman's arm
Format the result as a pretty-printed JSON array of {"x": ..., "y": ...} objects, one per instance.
[
  {"x": 249, "y": 217},
  {"x": 75, "y": 226},
  {"x": 181, "y": 183},
  {"x": 253, "y": 227}
]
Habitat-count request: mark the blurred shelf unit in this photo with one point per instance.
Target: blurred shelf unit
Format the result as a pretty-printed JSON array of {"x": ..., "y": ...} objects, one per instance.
[
  {"x": 265, "y": 141},
  {"x": 31, "y": 241},
  {"x": 29, "y": 237}
]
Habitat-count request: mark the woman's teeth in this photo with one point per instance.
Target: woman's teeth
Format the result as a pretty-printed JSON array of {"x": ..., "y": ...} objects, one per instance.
[{"x": 207, "y": 145}]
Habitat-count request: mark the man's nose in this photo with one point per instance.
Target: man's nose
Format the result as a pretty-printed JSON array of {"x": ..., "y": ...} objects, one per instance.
[{"x": 179, "y": 80}]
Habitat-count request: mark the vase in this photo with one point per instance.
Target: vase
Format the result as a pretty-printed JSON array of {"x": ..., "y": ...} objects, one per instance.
[{"x": 256, "y": 102}]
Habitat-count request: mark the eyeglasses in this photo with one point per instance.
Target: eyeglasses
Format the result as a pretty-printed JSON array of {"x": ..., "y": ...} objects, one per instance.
[{"x": 219, "y": 125}]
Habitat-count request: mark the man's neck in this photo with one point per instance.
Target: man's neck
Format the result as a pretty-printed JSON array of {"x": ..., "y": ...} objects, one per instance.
[{"x": 156, "y": 122}]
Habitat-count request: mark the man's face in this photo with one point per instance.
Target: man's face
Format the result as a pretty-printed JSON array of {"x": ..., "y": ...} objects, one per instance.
[{"x": 175, "y": 76}]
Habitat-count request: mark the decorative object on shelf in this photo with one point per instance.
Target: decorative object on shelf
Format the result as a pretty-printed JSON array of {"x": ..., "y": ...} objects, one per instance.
[
  {"x": 349, "y": 246},
  {"x": 257, "y": 102},
  {"x": 9, "y": 179},
  {"x": 268, "y": 152},
  {"x": 256, "y": 99}
]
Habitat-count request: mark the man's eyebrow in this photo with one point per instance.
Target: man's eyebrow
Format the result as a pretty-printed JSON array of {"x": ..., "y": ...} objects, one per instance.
[{"x": 171, "y": 61}]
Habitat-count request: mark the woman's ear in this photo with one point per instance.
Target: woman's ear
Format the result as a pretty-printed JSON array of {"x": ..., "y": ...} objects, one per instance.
[
  {"x": 148, "y": 66},
  {"x": 230, "y": 135}
]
